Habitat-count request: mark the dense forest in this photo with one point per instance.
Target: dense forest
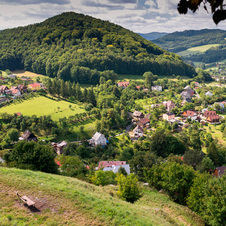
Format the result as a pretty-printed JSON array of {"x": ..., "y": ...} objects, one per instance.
[
  {"x": 179, "y": 41},
  {"x": 81, "y": 49}
]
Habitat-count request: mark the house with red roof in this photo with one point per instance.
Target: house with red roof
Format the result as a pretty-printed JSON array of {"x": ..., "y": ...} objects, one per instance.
[
  {"x": 123, "y": 84},
  {"x": 35, "y": 86},
  {"x": 103, "y": 164},
  {"x": 144, "y": 122}
]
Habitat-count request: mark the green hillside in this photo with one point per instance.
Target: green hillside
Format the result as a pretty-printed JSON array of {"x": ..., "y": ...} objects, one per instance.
[
  {"x": 180, "y": 41},
  {"x": 68, "y": 201},
  {"x": 81, "y": 48}
]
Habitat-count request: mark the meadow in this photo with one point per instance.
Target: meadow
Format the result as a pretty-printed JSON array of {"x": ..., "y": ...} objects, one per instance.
[
  {"x": 197, "y": 49},
  {"x": 69, "y": 201},
  {"x": 41, "y": 106}
]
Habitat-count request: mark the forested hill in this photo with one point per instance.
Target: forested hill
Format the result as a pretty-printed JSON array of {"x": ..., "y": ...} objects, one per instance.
[
  {"x": 179, "y": 41},
  {"x": 81, "y": 48}
]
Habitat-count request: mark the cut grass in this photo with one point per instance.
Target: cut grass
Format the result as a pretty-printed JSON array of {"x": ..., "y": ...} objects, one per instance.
[
  {"x": 216, "y": 133},
  {"x": 197, "y": 49},
  {"x": 41, "y": 106},
  {"x": 68, "y": 201}
]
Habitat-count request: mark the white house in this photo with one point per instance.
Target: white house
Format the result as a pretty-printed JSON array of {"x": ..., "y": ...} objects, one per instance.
[
  {"x": 208, "y": 94},
  {"x": 156, "y": 88},
  {"x": 115, "y": 169},
  {"x": 98, "y": 138},
  {"x": 138, "y": 132}
]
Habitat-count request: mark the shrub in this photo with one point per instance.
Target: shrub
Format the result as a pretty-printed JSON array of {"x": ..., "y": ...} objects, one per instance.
[
  {"x": 128, "y": 187},
  {"x": 103, "y": 178}
]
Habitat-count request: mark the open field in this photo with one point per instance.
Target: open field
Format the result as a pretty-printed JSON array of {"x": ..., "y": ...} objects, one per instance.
[
  {"x": 198, "y": 49},
  {"x": 22, "y": 73},
  {"x": 216, "y": 133},
  {"x": 41, "y": 106},
  {"x": 68, "y": 201}
]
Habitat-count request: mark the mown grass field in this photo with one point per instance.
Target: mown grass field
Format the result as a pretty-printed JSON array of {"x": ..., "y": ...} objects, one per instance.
[
  {"x": 216, "y": 133},
  {"x": 68, "y": 201},
  {"x": 41, "y": 106},
  {"x": 197, "y": 49}
]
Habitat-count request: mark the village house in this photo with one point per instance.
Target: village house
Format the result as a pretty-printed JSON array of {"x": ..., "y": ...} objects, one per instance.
[
  {"x": 168, "y": 116},
  {"x": 5, "y": 90},
  {"x": 189, "y": 90},
  {"x": 138, "y": 115},
  {"x": 28, "y": 136},
  {"x": 123, "y": 84},
  {"x": 211, "y": 116},
  {"x": 196, "y": 84},
  {"x": 103, "y": 164},
  {"x": 22, "y": 88},
  {"x": 144, "y": 123},
  {"x": 35, "y": 86},
  {"x": 138, "y": 132},
  {"x": 156, "y": 88},
  {"x": 114, "y": 166},
  {"x": 98, "y": 139},
  {"x": 208, "y": 94},
  {"x": 185, "y": 95},
  {"x": 219, "y": 171},
  {"x": 59, "y": 146},
  {"x": 169, "y": 105},
  {"x": 15, "y": 91},
  {"x": 192, "y": 114}
]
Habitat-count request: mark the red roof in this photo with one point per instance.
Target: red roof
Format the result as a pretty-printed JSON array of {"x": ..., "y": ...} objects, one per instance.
[
  {"x": 209, "y": 113},
  {"x": 110, "y": 163},
  {"x": 18, "y": 113},
  {"x": 34, "y": 85},
  {"x": 58, "y": 163},
  {"x": 144, "y": 120},
  {"x": 123, "y": 84}
]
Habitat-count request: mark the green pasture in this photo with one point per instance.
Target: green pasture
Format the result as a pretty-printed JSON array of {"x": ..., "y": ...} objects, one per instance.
[
  {"x": 68, "y": 201},
  {"x": 197, "y": 49},
  {"x": 41, "y": 106}
]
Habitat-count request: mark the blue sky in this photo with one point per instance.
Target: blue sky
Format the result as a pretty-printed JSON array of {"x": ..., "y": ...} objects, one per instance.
[{"x": 137, "y": 15}]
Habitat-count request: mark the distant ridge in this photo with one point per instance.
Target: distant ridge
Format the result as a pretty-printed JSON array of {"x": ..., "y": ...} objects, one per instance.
[
  {"x": 178, "y": 41},
  {"x": 152, "y": 35}
]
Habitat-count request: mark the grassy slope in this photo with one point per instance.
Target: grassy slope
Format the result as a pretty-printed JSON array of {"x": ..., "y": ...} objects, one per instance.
[
  {"x": 44, "y": 106},
  {"x": 68, "y": 201},
  {"x": 198, "y": 49}
]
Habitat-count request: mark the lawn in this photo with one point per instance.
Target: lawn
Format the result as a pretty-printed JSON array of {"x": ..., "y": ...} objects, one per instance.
[
  {"x": 216, "y": 133},
  {"x": 41, "y": 106},
  {"x": 197, "y": 49},
  {"x": 68, "y": 201}
]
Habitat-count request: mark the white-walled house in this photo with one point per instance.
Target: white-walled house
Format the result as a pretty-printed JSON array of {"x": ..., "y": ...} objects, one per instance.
[
  {"x": 156, "y": 88},
  {"x": 115, "y": 169},
  {"x": 98, "y": 139}
]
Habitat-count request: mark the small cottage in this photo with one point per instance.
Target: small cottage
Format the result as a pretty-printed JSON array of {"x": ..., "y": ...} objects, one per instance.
[
  {"x": 168, "y": 116},
  {"x": 98, "y": 139},
  {"x": 28, "y": 136}
]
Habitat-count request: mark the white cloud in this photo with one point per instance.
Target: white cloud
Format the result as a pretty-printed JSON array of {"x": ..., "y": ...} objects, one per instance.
[{"x": 138, "y": 15}]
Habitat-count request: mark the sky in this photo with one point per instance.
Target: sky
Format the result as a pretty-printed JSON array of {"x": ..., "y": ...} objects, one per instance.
[{"x": 141, "y": 16}]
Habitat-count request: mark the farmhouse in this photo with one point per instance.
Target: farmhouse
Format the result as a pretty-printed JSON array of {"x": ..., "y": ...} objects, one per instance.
[
  {"x": 98, "y": 139},
  {"x": 28, "y": 136},
  {"x": 189, "y": 90},
  {"x": 35, "y": 86},
  {"x": 144, "y": 123},
  {"x": 59, "y": 146},
  {"x": 103, "y": 164},
  {"x": 185, "y": 95},
  {"x": 4, "y": 90},
  {"x": 123, "y": 84},
  {"x": 168, "y": 116},
  {"x": 138, "y": 132},
  {"x": 208, "y": 94},
  {"x": 15, "y": 91},
  {"x": 169, "y": 105},
  {"x": 156, "y": 88},
  {"x": 22, "y": 88},
  {"x": 138, "y": 115}
]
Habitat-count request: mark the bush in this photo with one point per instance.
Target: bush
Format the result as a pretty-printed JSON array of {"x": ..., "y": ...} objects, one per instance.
[
  {"x": 128, "y": 187},
  {"x": 103, "y": 178}
]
